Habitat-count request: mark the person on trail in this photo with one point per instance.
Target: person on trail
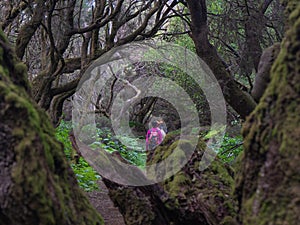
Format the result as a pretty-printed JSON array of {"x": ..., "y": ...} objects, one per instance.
[
  {"x": 153, "y": 137},
  {"x": 162, "y": 126}
]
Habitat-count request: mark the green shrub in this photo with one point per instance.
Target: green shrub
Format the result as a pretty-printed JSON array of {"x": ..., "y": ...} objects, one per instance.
[
  {"x": 230, "y": 148},
  {"x": 85, "y": 174},
  {"x": 132, "y": 152},
  {"x": 62, "y": 134}
]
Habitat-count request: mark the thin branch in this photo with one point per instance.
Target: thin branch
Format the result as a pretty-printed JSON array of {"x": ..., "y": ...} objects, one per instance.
[
  {"x": 128, "y": 101},
  {"x": 100, "y": 22},
  {"x": 227, "y": 46},
  {"x": 182, "y": 16},
  {"x": 247, "y": 8},
  {"x": 265, "y": 6},
  {"x": 232, "y": 148},
  {"x": 140, "y": 29}
]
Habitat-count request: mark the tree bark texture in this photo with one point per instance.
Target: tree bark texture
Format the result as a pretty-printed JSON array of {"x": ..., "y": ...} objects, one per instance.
[
  {"x": 268, "y": 185},
  {"x": 262, "y": 78},
  {"x": 37, "y": 185}
]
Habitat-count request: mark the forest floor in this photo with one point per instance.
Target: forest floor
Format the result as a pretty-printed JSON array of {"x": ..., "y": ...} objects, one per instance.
[{"x": 101, "y": 201}]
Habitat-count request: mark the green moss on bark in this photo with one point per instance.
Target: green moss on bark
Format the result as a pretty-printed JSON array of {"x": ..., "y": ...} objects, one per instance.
[
  {"x": 141, "y": 212},
  {"x": 196, "y": 193},
  {"x": 268, "y": 182},
  {"x": 40, "y": 187},
  {"x": 188, "y": 196}
]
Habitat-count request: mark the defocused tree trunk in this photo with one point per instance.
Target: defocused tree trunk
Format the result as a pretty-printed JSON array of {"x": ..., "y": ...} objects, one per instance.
[
  {"x": 37, "y": 186},
  {"x": 262, "y": 78},
  {"x": 240, "y": 101},
  {"x": 268, "y": 185}
]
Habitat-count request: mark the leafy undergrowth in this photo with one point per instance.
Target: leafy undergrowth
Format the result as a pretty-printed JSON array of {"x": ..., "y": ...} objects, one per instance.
[
  {"x": 230, "y": 148},
  {"x": 86, "y": 176},
  {"x": 131, "y": 150}
]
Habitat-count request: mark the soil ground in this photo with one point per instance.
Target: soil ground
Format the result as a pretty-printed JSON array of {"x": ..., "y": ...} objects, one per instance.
[{"x": 101, "y": 201}]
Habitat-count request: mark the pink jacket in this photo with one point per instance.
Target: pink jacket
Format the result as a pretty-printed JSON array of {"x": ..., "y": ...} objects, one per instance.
[{"x": 160, "y": 136}]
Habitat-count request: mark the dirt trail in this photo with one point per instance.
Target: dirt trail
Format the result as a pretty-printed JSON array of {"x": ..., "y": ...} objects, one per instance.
[{"x": 101, "y": 201}]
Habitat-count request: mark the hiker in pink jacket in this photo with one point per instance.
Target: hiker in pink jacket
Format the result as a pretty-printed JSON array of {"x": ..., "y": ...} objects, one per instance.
[{"x": 153, "y": 137}]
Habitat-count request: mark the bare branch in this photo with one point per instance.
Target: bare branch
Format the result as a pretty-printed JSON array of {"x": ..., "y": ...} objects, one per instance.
[{"x": 265, "y": 6}]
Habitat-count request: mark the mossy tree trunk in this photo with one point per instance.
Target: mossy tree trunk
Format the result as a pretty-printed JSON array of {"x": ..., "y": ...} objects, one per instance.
[
  {"x": 191, "y": 196},
  {"x": 268, "y": 185},
  {"x": 37, "y": 185}
]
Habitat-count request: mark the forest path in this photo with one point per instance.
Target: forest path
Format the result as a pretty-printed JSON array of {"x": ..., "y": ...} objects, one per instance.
[{"x": 101, "y": 201}]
